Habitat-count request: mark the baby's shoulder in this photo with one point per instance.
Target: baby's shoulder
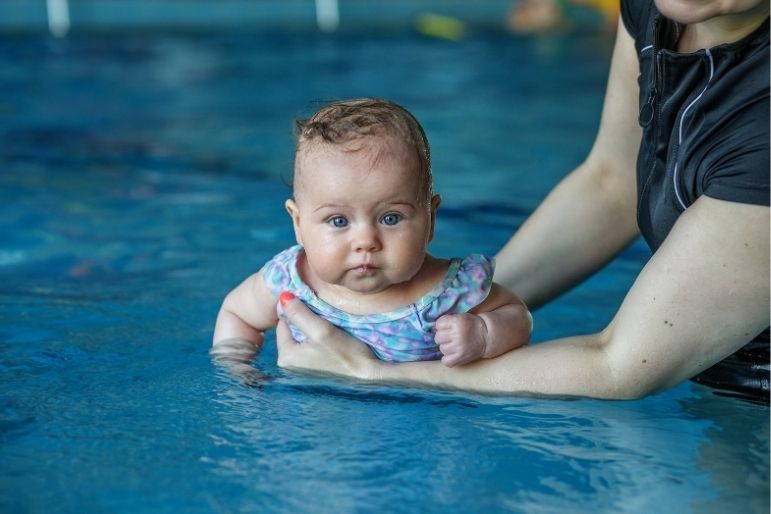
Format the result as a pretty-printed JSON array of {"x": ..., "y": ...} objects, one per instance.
[{"x": 280, "y": 271}]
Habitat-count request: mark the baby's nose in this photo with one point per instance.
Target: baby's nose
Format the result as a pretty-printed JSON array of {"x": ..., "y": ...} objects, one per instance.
[{"x": 366, "y": 239}]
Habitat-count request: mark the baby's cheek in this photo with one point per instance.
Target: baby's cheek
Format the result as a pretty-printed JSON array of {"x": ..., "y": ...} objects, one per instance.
[
  {"x": 328, "y": 274},
  {"x": 324, "y": 264}
]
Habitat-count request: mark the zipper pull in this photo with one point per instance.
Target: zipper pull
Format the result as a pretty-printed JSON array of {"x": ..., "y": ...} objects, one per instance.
[{"x": 647, "y": 110}]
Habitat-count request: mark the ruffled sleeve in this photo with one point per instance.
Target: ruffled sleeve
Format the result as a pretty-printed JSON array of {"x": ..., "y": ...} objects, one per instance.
[
  {"x": 277, "y": 272},
  {"x": 466, "y": 286},
  {"x": 280, "y": 274}
]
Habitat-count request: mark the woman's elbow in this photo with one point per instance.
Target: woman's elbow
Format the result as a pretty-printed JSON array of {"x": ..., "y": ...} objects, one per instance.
[{"x": 631, "y": 376}]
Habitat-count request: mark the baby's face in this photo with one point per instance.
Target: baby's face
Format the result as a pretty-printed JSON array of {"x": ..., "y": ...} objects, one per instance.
[{"x": 364, "y": 222}]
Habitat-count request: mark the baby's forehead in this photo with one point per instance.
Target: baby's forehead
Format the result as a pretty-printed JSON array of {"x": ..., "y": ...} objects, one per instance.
[
  {"x": 321, "y": 164},
  {"x": 365, "y": 152}
]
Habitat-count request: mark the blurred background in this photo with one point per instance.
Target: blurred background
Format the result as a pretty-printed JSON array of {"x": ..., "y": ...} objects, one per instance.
[{"x": 520, "y": 16}]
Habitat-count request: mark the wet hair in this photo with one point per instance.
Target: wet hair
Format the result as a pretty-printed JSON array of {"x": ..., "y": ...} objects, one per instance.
[{"x": 347, "y": 121}]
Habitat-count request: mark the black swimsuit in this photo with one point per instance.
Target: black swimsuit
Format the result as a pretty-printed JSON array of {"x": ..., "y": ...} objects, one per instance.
[{"x": 705, "y": 120}]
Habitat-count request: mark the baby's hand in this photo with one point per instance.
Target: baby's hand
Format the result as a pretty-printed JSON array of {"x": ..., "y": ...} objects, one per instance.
[
  {"x": 462, "y": 338},
  {"x": 236, "y": 356}
]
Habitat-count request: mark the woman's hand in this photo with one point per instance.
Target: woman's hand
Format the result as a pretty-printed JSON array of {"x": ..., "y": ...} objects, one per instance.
[{"x": 327, "y": 349}]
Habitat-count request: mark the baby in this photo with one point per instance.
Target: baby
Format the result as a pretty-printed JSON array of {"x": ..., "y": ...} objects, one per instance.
[{"x": 363, "y": 213}]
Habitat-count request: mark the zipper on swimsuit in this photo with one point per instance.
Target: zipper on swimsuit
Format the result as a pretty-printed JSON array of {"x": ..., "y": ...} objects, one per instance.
[
  {"x": 651, "y": 107},
  {"x": 649, "y": 113},
  {"x": 648, "y": 110},
  {"x": 659, "y": 80}
]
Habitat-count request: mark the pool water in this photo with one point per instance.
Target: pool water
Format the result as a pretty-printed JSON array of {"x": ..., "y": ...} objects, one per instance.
[{"x": 143, "y": 175}]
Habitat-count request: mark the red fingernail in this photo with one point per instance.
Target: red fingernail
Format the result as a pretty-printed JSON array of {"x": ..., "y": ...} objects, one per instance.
[{"x": 284, "y": 297}]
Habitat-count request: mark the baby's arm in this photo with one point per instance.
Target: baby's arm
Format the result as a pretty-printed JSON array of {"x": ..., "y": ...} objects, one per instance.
[
  {"x": 247, "y": 311},
  {"x": 499, "y": 324}
]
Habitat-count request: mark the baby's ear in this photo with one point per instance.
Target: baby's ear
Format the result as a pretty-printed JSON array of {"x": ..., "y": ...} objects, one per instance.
[
  {"x": 294, "y": 213},
  {"x": 435, "y": 201}
]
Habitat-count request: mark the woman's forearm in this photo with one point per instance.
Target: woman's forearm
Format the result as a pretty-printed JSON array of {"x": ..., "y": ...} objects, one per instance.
[
  {"x": 578, "y": 229},
  {"x": 575, "y": 366}
]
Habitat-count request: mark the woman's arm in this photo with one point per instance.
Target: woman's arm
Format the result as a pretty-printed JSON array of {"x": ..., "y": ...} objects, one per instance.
[
  {"x": 591, "y": 215},
  {"x": 702, "y": 296},
  {"x": 585, "y": 221}
]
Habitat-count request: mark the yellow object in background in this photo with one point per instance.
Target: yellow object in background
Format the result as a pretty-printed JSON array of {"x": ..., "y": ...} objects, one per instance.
[
  {"x": 608, "y": 8},
  {"x": 437, "y": 25}
]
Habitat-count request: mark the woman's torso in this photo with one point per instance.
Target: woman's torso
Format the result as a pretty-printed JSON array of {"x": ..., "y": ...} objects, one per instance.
[{"x": 705, "y": 121}]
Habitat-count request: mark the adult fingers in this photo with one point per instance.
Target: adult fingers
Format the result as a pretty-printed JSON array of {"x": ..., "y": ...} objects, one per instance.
[
  {"x": 289, "y": 352},
  {"x": 314, "y": 327},
  {"x": 284, "y": 339}
]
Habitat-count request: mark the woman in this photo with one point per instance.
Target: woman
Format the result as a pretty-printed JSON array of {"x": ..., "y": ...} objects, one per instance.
[{"x": 694, "y": 126}]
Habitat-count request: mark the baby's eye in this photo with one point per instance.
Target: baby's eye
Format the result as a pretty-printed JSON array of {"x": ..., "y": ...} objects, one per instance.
[
  {"x": 391, "y": 219},
  {"x": 338, "y": 222}
]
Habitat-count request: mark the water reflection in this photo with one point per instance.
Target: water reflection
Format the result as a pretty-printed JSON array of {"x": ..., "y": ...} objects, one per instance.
[{"x": 342, "y": 442}]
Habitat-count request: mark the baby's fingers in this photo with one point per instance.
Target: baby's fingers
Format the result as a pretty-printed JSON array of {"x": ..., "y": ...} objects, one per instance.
[
  {"x": 452, "y": 352},
  {"x": 450, "y": 360},
  {"x": 446, "y": 327},
  {"x": 444, "y": 336},
  {"x": 456, "y": 358},
  {"x": 447, "y": 322}
]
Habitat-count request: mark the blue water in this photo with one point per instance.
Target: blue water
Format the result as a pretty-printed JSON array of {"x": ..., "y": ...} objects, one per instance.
[{"x": 143, "y": 175}]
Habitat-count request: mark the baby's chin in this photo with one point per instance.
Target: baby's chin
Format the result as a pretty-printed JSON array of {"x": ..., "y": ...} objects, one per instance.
[
  {"x": 371, "y": 285},
  {"x": 365, "y": 289}
]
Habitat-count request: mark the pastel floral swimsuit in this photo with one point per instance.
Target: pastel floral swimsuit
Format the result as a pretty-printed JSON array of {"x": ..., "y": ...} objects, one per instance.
[{"x": 404, "y": 334}]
